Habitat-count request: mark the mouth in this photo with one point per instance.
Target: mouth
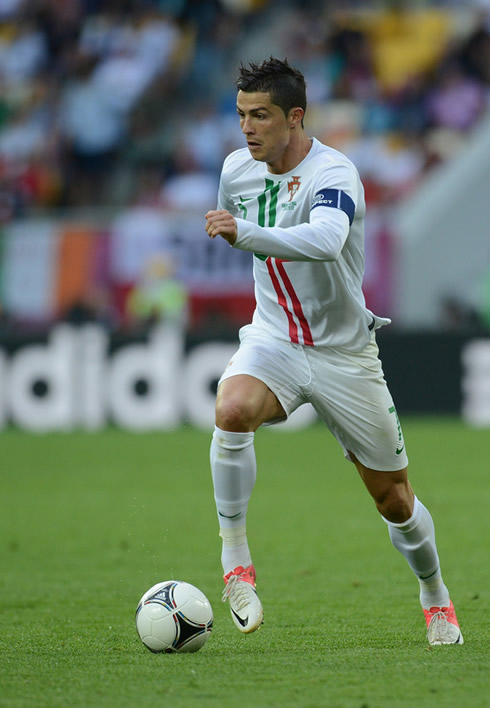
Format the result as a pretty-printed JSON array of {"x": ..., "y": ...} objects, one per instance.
[{"x": 252, "y": 144}]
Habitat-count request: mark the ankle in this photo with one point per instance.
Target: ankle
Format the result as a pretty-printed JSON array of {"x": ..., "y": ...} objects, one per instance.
[
  {"x": 235, "y": 551},
  {"x": 433, "y": 592}
]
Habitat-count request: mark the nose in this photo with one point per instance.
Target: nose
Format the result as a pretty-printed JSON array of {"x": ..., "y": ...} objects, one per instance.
[{"x": 247, "y": 128}]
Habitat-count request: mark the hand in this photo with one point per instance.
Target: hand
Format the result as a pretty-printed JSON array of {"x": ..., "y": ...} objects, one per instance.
[{"x": 221, "y": 223}]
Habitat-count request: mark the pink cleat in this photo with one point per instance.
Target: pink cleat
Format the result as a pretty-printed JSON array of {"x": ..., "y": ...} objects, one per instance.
[
  {"x": 442, "y": 626},
  {"x": 245, "y": 606}
]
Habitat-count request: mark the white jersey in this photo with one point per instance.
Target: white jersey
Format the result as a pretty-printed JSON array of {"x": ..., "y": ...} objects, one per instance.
[{"x": 306, "y": 230}]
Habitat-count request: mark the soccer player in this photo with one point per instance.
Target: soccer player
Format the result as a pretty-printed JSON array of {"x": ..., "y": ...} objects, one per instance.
[{"x": 299, "y": 207}]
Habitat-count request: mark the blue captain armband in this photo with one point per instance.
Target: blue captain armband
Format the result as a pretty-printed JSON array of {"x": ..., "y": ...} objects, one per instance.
[{"x": 337, "y": 199}]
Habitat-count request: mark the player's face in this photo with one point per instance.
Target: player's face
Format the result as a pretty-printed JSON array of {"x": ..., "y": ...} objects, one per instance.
[{"x": 265, "y": 127}]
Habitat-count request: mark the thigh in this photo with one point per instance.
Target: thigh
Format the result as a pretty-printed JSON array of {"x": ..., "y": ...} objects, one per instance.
[
  {"x": 352, "y": 397},
  {"x": 281, "y": 366},
  {"x": 244, "y": 403}
]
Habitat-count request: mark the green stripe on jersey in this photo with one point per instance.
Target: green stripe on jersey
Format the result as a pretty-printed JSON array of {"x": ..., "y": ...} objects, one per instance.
[
  {"x": 262, "y": 201},
  {"x": 273, "y": 205}
]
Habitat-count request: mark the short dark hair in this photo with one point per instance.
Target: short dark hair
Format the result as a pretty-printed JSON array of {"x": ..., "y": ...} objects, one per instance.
[{"x": 285, "y": 84}]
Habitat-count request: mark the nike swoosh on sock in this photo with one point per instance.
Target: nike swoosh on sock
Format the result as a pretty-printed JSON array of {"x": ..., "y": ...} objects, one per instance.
[{"x": 233, "y": 516}]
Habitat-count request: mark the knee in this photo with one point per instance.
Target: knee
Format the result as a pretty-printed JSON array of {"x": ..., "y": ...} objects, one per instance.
[
  {"x": 391, "y": 491},
  {"x": 395, "y": 503},
  {"x": 234, "y": 414}
]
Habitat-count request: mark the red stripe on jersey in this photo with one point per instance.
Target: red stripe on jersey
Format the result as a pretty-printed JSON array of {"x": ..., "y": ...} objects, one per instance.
[
  {"x": 281, "y": 298},
  {"x": 298, "y": 310}
]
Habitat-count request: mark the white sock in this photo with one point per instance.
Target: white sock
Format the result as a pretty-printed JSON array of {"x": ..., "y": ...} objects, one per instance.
[
  {"x": 235, "y": 549},
  {"x": 233, "y": 468},
  {"x": 415, "y": 539}
]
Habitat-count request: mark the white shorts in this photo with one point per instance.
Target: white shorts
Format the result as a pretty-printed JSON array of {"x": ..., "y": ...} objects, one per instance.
[{"x": 347, "y": 390}]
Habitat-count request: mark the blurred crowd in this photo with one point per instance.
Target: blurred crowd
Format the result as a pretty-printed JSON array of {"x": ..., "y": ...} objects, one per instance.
[{"x": 119, "y": 102}]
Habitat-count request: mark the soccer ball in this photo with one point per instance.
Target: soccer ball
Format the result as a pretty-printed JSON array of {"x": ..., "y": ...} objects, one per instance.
[{"x": 174, "y": 616}]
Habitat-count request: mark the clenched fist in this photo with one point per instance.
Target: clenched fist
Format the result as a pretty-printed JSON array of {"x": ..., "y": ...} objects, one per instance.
[{"x": 221, "y": 223}]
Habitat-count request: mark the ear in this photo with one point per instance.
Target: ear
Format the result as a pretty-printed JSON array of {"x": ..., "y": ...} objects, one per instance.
[{"x": 295, "y": 116}]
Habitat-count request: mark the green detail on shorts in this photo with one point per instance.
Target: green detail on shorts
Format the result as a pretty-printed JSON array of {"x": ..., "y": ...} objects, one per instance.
[
  {"x": 398, "y": 450},
  {"x": 261, "y": 256}
]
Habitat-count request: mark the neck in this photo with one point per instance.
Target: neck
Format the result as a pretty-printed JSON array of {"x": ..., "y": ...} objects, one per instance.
[{"x": 295, "y": 153}]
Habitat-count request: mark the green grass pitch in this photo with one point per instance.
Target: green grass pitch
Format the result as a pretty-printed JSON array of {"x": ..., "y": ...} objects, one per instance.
[{"x": 90, "y": 521}]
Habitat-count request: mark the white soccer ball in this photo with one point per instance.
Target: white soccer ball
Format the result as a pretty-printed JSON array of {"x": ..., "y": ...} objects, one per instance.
[{"x": 174, "y": 616}]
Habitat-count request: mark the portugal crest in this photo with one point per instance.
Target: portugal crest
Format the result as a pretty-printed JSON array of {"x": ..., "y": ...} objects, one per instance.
[{"x": 293, "y": 187}]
